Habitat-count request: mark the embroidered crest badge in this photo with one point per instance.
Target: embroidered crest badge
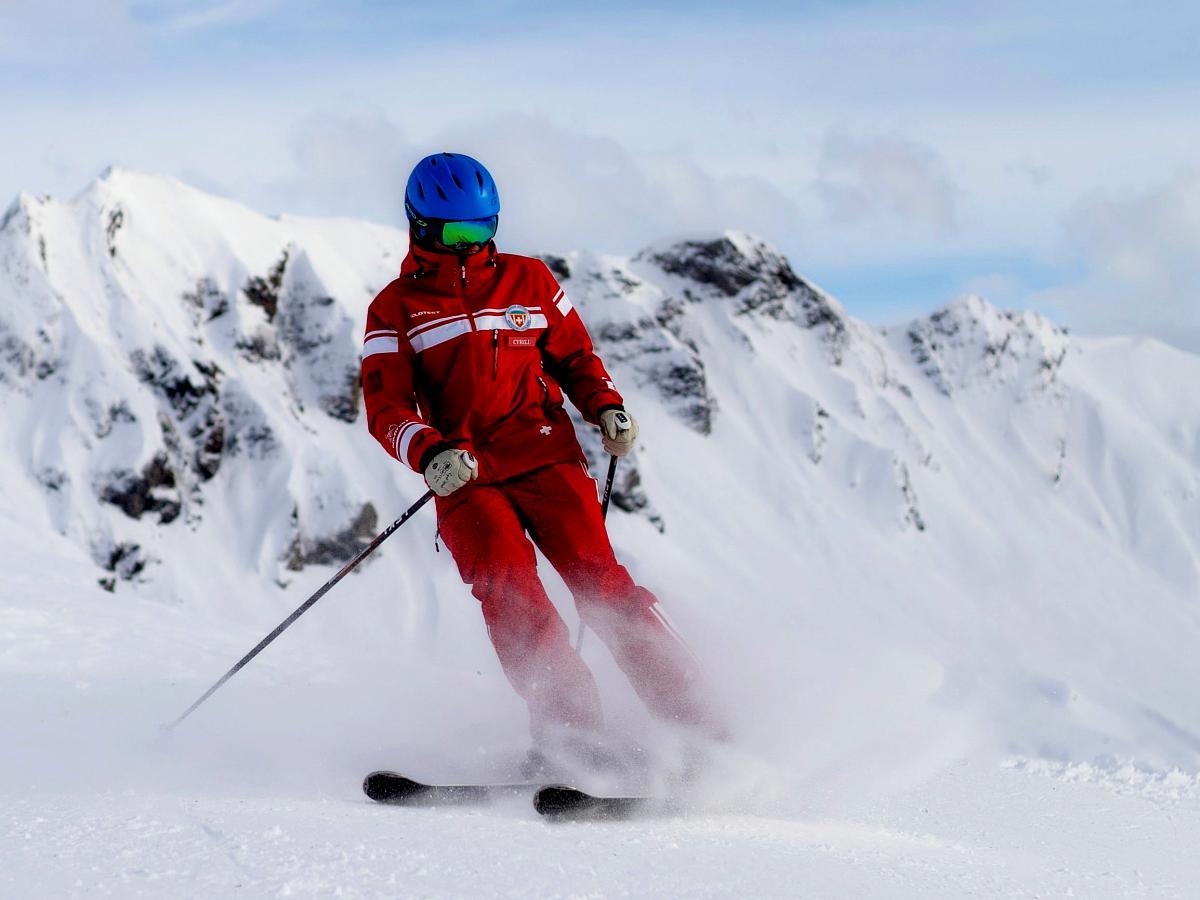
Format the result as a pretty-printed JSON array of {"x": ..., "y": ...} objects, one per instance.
[{"x": 517, "y": 317}]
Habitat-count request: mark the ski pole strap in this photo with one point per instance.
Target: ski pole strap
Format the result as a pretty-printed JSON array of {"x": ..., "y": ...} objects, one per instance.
[{"x": 307, "y": 604}]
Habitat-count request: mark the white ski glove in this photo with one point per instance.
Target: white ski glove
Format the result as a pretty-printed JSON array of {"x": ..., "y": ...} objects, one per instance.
[
  {"x": 450, "y": 470},
  {"x": 618, "y": 431}
]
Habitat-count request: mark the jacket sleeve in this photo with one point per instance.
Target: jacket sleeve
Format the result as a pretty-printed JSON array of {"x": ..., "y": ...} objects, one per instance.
[
  {"x": 568, "y": 355},
  {"x": 388, "y": 390}
]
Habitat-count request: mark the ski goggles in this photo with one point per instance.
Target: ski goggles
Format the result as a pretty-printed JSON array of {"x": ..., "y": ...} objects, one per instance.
[
  {"x": 466, "y": 232},
  {"x": 454, "y": 233}
]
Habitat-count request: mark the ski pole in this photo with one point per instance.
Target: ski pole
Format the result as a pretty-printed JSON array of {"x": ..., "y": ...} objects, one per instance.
[
  {"x": 608, "y": 482},
  {"x": 612, "y": 472},
  {"x": 304, "y": 607}
]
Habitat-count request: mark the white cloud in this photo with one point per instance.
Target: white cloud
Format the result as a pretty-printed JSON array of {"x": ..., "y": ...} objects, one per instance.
[
  {"x": 565, "y": 188},
  {"x": 885, "y": 180},
  {"x": 1035, "y": 173},
  {"x": 560, "y": 188},
  {"x": 353, "y": 165},
  {"x": 1140, "y": 257}
]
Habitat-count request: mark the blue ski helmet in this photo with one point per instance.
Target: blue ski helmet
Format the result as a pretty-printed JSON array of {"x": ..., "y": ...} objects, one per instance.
[{"x": 451, "y": 187}]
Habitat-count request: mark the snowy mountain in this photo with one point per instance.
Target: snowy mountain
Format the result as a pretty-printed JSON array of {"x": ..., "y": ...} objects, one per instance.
[{"x": 893, "y": 546}]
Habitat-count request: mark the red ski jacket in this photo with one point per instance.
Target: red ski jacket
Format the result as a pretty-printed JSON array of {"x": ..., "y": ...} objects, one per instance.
[{"x": 476, "y": 352}]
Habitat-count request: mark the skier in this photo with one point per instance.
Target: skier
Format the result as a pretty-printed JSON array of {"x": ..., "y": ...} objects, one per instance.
[{"x": 466, "y": 359}]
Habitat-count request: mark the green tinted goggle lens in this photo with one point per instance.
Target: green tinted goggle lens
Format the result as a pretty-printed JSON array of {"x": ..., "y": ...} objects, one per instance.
[{"x": 472, "y": 231}]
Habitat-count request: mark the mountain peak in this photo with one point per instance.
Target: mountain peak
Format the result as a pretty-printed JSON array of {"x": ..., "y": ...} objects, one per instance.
[
  {"x": 974, "y": 314},
  {"x": 974, "y": 306},
  {"x": 970, "y": 340},
  {"x": 727, "y": 263},
  {"x": 122, "y": 183}
]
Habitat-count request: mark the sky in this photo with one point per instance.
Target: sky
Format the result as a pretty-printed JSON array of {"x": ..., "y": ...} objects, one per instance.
[{"x": 1045, "y": 156}]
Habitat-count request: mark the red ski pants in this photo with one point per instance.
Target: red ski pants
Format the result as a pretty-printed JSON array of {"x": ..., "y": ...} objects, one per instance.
[{"x": 491, "y": 531}]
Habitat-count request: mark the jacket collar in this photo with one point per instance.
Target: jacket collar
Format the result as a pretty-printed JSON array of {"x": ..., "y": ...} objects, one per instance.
[{"x": 444, "y": 271}]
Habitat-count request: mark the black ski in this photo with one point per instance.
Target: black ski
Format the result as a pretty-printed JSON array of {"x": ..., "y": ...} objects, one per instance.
[
  {"x": 392, "y": 787},
  {"x": 559, "y": 801},
  {"x": 554, "y": 801}
]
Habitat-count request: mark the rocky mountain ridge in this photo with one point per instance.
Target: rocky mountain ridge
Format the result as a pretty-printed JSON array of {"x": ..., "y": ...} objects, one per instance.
[{"x": 161, "y": 348}]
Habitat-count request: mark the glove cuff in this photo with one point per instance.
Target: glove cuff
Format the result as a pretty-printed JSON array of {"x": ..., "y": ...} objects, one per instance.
[{"x": 428, "y": 455}]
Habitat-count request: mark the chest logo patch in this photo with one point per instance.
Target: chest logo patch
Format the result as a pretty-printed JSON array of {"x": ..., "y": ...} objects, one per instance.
[{"x": 517, "y": 317}]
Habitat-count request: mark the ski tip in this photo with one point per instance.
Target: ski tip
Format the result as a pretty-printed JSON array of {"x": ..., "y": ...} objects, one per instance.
[
  {"x": 560, "y": 801},
  {"x": 390, "y": 787}
]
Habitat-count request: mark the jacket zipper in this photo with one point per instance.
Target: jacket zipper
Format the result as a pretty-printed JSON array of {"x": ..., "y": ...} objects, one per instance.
[{"x": 462, "y": 268}]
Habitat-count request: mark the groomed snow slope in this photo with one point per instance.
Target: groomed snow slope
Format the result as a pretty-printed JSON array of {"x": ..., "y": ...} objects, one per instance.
[{"x": 944, "y": 576}]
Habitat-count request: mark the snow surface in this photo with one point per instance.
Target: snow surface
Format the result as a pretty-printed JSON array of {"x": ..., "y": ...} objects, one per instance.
[{"x": 945, "y": 576}]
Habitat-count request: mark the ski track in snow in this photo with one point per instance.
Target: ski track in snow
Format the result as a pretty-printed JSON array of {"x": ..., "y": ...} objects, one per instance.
[
  {"x": 258, "y": 793},
  {"x": 972, "y": 831}
]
